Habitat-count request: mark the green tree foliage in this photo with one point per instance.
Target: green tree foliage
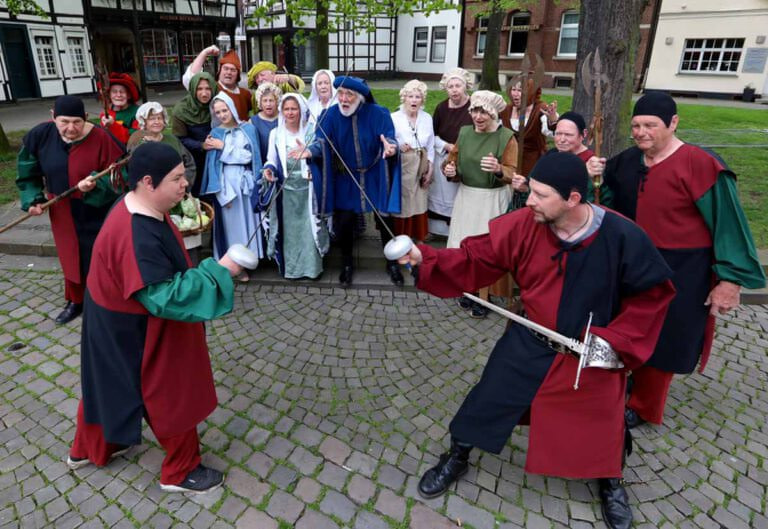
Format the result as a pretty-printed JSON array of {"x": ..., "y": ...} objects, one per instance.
[{"x": 23, "y": 6}]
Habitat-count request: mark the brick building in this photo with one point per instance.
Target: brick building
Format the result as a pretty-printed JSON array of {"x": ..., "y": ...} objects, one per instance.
[{"x": 549, "y": 29}]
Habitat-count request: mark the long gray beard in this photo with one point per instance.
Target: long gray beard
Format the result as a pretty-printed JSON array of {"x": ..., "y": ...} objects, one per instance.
[{"x": 352, "y": 110}]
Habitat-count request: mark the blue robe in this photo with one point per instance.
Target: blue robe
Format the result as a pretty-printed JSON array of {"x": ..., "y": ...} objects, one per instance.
[
  {"x": 211, "y": 182},
  {"x": 263, "y": 128},
  {"x": 357, "y": 139}
]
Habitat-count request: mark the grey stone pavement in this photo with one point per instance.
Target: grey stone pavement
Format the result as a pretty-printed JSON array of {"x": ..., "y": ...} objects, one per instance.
[{"x": 331, "y": 405}]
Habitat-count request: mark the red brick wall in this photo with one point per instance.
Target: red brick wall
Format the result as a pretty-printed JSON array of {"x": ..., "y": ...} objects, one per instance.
[{"x": 543, "y": 40}]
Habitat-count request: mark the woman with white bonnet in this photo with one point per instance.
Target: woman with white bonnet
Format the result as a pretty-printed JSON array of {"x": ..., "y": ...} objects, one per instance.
[
  {"x": 152, "y": 119},
  {"x": 485, "y": 165},
  {"x": 416, "y": 140},
  {"x": 322, "y": 94},
  {"x": 449, "y": 116}
]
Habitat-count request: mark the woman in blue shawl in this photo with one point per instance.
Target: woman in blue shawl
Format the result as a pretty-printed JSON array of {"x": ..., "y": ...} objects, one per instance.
[{"x": 232, "y": 173}]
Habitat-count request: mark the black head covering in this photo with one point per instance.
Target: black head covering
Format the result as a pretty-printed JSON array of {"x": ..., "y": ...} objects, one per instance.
[
  {"x": 577, "y": 118},
  {"x": 152, "y": 158},
  {"x": 70, "y": 106},
  {"x": 563, "y": 171},
  {"x": 654, "y": 103}
]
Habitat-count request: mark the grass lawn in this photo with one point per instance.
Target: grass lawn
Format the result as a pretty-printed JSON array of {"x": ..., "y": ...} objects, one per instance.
[{"x": 739, "y": 136}]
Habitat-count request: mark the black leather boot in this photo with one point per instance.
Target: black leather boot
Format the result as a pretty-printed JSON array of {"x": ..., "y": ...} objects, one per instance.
[
  {"x": 70, "y": 312},
  {"x": 632, "y": 419},
  {"x": 393, "y": 269},
  {"x": 615, "y": 503},
  {"x": 345, "y": 277},
  {"x": 453, "y": 464}
]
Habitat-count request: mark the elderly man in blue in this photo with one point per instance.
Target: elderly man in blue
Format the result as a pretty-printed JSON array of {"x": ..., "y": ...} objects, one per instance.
[{"x": 363, "y": 134}]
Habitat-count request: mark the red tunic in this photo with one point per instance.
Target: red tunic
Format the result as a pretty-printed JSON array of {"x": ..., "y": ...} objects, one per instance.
[
  {"x": 133, "y": 362},
  {"x": 73, "y": 224},
  {"x": 662, "y": 200},
  {"x": 617, "y": 275}
]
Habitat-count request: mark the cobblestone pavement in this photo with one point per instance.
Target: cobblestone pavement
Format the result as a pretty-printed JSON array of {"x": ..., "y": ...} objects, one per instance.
[{"x": 332, "y": 404}]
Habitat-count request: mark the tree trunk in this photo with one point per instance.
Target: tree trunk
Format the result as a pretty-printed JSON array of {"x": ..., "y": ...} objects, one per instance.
[
  {"x": 5, "y": 146},
  {"x": 490, "y": 75},
  {"x": 322, "y": 61},
  {"x": 614, "y": 28}
]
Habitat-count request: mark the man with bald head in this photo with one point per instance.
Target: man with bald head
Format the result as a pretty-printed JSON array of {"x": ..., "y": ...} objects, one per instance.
[{"x": 686, "y": 200}]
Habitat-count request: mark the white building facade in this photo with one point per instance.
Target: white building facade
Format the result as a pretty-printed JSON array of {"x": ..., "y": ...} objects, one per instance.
[
  {"x": 711, "y": 48},
  {"x": 428, "y": 44},
  {"x": 45, "y": 57}
]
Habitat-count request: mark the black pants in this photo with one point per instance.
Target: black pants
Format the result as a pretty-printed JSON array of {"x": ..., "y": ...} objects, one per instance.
[{"x": 344, "y": 222}]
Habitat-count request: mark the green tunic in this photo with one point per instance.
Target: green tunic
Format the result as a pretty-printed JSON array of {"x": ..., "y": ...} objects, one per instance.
[{"x": 473, "y": 146}]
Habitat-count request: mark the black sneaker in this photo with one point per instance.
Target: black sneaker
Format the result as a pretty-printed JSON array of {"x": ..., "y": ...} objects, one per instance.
[
  {"x": 201, "y": 479},
  {"x": 478, "y": 311},
  {"x": 465, "y": 303},
  {"x": 75, "y": 463}
]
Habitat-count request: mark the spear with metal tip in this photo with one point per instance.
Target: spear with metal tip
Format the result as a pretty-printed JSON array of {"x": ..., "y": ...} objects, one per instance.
[{"x": 595, "y": 83}]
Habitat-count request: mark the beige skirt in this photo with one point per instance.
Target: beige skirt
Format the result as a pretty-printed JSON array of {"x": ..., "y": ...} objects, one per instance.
[
  {"x": 414, "y": 197},
  {"x": 473, "y": 208}
]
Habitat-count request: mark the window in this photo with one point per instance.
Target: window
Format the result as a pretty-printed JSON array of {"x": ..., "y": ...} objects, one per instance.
[
  {"x": 45, "y": 57},
  {"x": 569, "y": 34},
  {"x": 161, "y": 55},
  {"x": 482, "y": 27},
  {"x": 711, "y": 55},
  {"x": 439, "y": 42},
  {"x": 192, "y": 42},
  {"x": 420, "y": 43},
  {"x": 519, "y": 24},
  {"x": 76, "y": 55}
]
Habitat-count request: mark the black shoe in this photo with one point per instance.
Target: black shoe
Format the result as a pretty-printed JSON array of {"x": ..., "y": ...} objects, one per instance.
[
  {"x": 393, "y": 269},
  {"x": 70, "y": 312},
  {"x": 615, "y": 503},
  {"x": 478, "y": 311},
  {"x": 345, "y": 277},
  {"x": 465, "y": 303},
  {"x": 201, "y": 479},
  {"x": 632, "y": 419},
  {"x": 438, "y": 479}
]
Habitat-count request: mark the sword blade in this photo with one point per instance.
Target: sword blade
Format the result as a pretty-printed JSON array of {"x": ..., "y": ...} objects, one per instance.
[{"x": 571, "y": 343}]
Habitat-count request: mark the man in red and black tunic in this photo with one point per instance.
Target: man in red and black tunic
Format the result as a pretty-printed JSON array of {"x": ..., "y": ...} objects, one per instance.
[
  {"x": 686, "y": 200},
  {"x": 143, "y": 349},
  {"x": 55, "y": 156},
  {"x": 569, "y": 258}
]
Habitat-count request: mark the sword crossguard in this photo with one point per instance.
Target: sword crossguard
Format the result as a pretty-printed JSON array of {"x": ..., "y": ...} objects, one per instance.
[{"x": 585, "y": 351}]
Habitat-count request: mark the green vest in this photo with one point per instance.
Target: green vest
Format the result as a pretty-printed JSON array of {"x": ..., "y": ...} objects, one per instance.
[{"x": 473, "y": 146}]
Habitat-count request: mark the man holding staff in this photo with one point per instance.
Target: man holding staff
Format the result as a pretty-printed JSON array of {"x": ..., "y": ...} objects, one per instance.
[
  {"x": 687, "y": 202},
  {"x": 143, "y": 350},
  {"x": 55, "y": 156}
]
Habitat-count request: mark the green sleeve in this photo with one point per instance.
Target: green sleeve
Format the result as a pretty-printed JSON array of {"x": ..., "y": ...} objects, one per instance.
[
  {"x": 29, "y": 179},
  {"x": 736, "y": 258},
  {"x": 199, "y": 294},
  {"x": 606, "y": 194},
  {"x": 103, "y": 193}
]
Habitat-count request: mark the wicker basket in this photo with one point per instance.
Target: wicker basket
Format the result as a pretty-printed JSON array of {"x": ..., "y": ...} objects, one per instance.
[{"x": 202, "y": 208}]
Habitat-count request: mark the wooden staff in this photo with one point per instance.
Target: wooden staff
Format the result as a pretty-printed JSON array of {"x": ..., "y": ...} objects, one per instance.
[
  {"x": 103, "y": 75},
  {"x": 592, "y": 79},
  {"x": 45, "y": 205}
]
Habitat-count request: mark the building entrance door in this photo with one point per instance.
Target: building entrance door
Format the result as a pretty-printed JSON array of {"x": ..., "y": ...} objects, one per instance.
[{"x": 22, "y": 77}]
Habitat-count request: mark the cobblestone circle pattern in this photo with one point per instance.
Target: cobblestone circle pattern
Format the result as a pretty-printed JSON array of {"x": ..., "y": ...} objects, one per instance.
[{"x": 332, "y": 403}]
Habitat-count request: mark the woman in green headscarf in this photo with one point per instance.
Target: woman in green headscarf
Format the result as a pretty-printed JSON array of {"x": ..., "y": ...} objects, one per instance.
[{"x": 191, "y": 121}]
